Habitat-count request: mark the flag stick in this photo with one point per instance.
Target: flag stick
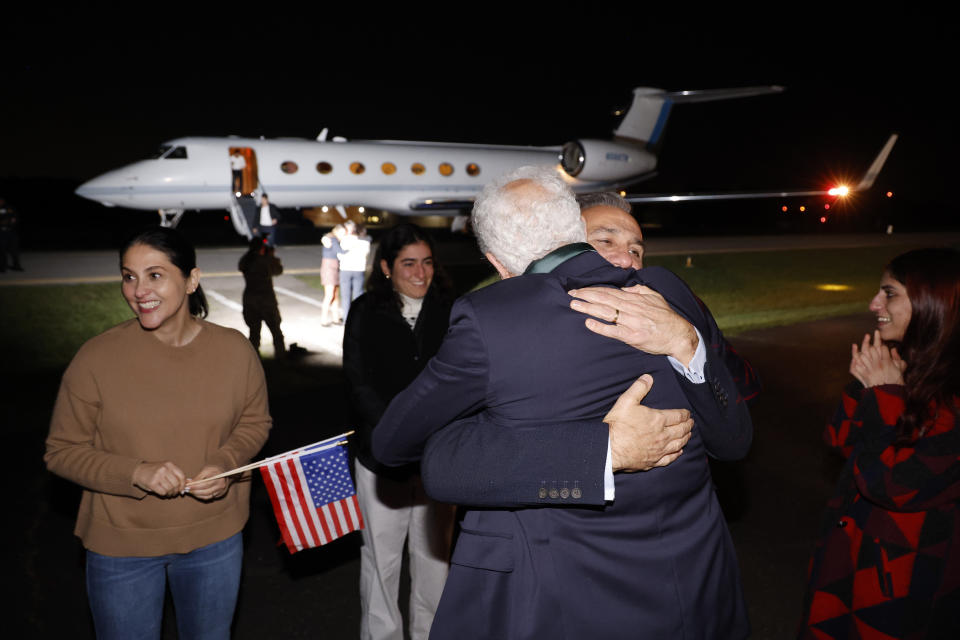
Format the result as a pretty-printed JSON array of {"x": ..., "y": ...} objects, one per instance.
[{"x": 312, "y": 448}]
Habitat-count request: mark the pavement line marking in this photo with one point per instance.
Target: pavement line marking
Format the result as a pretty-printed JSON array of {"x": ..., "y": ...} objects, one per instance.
[
  {"x": 224, "y": 300},
  {"x": 301, "y": 298}
]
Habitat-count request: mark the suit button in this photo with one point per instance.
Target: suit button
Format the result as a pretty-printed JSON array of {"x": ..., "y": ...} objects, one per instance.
[
  {"x": 542, "y": 493},
  {"x": 564, "y": 493},
  {"x": 576, "y": 493},
  {"x": 554, "y": 493}
]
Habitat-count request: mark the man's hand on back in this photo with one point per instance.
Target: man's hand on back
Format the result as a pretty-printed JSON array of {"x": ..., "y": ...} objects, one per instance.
[
  {"x": 641, "y": 318},
  {"x": 642, "y": 438}
]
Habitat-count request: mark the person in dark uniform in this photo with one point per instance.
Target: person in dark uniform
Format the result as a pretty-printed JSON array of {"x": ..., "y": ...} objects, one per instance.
[
  {"x": 258, "y": 266},
  {"x": 9, "y": 239}
]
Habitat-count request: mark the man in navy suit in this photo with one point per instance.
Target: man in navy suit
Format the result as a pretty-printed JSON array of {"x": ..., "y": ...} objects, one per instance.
[{"x": 656, "y": 561}]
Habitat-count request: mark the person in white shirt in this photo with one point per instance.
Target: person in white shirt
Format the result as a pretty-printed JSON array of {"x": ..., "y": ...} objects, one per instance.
[
  {"x": 237, "y": 164},
  {"x": 353, "y": 263}
]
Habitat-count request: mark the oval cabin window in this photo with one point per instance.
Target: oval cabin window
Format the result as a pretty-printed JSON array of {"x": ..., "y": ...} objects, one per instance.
[
  {"x": 473, "y": 169},
  {"x": 446, "y": 169},
  {"x": 417, "y": 168},
  {"x": 357, "y": 168},
  {"x": 289, "y": 167},
  {"x": 388, "y": 168},
  {"x": 324, "y": 167}
]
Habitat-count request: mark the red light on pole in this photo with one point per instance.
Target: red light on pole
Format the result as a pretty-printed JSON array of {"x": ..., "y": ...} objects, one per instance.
[
  {"x": 826, "y": 206},
  {"x": 783, "y": 208},
  {"x": 823, "y": 219}
]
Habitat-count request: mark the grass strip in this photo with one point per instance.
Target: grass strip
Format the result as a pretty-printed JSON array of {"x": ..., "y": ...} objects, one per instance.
[{"x": 43, "y": 326}]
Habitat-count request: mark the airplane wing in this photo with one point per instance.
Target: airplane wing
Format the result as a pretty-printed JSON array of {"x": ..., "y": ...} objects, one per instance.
[
  {"x": 865, "y": 183},
  {"x": 439, "y": 204}
]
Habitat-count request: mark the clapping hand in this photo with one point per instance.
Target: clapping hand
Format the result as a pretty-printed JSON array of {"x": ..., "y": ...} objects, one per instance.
[{"x": 875, "y": 364}]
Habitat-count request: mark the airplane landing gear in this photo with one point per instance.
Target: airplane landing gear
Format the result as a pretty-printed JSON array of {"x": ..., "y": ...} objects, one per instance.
[{"x": 170, "y": 217}]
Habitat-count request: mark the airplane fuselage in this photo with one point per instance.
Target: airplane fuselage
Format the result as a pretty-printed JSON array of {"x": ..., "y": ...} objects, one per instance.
[{"x": 400, "y": 177}]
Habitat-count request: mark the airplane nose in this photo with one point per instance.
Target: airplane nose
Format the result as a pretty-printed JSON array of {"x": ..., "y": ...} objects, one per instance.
[{"x": 109, "y": 189}]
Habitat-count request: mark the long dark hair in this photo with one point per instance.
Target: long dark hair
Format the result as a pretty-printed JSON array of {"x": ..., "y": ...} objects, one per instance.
[
  {"x": 179, "y": 251},
  {"x": 931, "y": 342},
  {"x": 391, "y": 243}
]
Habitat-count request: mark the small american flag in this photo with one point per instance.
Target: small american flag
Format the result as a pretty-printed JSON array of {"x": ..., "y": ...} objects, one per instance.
[{"x": 313, "y": 497}]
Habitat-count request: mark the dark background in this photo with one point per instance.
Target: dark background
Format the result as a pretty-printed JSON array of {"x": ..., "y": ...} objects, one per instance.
[{"x": 87, "y": 90}]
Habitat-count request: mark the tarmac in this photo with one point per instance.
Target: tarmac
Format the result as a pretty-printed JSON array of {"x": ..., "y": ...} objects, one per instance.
[{"x": 773, "y": 499}]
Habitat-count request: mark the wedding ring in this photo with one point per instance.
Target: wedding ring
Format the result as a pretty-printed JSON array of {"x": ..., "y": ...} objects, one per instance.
[{"x": 616, "y": 316}]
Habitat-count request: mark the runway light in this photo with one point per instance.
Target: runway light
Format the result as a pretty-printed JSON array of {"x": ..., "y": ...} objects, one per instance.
[
  {"x": 802, "y": 208},
  {"x": 834, "y": 287},
  {"x": 783, "y": 208},
  {"x": 889, "y": 194},
  {"x": 826, "y": 206},
  {"x": 840, "y": 191},
  {"x": 823, "y": 219}
]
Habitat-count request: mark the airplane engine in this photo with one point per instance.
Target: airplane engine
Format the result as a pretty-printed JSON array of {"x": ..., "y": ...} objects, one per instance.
[{"x": 606, "y": 161}]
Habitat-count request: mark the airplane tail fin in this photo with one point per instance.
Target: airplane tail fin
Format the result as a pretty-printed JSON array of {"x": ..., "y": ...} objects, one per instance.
[{"x": 646, "y": 119}]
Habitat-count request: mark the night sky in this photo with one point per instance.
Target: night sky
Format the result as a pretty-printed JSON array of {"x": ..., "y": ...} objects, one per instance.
[{"x": 89, "y": 92}]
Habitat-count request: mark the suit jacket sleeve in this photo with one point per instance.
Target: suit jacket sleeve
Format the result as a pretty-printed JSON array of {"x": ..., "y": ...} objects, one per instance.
[
  {"x": 479, "y": 463},
  {"x": 452, "y": 385},
  {"x": 719, "y": 409}
]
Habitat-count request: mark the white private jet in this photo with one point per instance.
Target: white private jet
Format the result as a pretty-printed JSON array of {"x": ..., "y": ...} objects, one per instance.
[{"x": 406, "y": 178}]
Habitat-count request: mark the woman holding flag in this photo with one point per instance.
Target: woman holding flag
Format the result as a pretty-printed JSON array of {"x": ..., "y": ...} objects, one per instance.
[
  {"x": 391, "y": 332},
  {"x": 146, "y": 412}
]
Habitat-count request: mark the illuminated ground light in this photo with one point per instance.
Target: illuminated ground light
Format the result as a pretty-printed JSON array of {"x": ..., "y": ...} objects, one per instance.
[{"x": 834, "y": 287}]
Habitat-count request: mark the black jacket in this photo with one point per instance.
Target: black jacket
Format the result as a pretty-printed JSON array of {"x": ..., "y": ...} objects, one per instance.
[{"x": 381, "y": 356}]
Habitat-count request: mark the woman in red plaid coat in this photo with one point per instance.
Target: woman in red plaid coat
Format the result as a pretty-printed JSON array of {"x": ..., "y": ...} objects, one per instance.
[{"x": 887, "y": 564}]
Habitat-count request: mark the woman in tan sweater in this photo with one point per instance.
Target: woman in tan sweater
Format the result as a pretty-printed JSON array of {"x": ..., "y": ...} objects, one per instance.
[{"x": 144, "y": 408}]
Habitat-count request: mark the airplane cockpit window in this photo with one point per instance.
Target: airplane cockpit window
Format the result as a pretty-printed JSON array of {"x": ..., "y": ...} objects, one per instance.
[
  {"x": 357, "y": 168},
  {"x": 388, "y": 168},
  {"x": 446, "y": 169},
  {"x": 177, "y": 153},
  {"x": 417, "y": 169},
  {"x": 159, "y": 153},
  {"x": 324, "y": 167},
  {"x": 473, "y": 169},
  {"x": 289, "y": 167}
]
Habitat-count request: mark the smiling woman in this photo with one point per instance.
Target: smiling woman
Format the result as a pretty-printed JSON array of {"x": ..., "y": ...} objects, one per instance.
[
  {"x": 391, "y": 332},
  {"x": 886, "y": 562},
  {"x": 145, "y": 408}
]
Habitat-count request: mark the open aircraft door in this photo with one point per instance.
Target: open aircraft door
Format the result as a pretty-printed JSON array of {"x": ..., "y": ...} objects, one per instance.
[{"x": 244, "y": 205}]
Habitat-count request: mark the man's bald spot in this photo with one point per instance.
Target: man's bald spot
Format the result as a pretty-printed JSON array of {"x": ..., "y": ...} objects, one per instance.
[
  {"x": 525, "y": 190},
  {"x": 615, "y": 234}
]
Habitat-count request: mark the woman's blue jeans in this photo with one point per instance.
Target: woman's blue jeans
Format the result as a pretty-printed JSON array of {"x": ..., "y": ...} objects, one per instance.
[
  {"x": 126, "y": 594},
  {"x": 351, "y": 286}
]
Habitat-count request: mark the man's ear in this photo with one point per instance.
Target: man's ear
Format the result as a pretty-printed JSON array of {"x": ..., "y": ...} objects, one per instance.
[{"x": 502, "y": 270}]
